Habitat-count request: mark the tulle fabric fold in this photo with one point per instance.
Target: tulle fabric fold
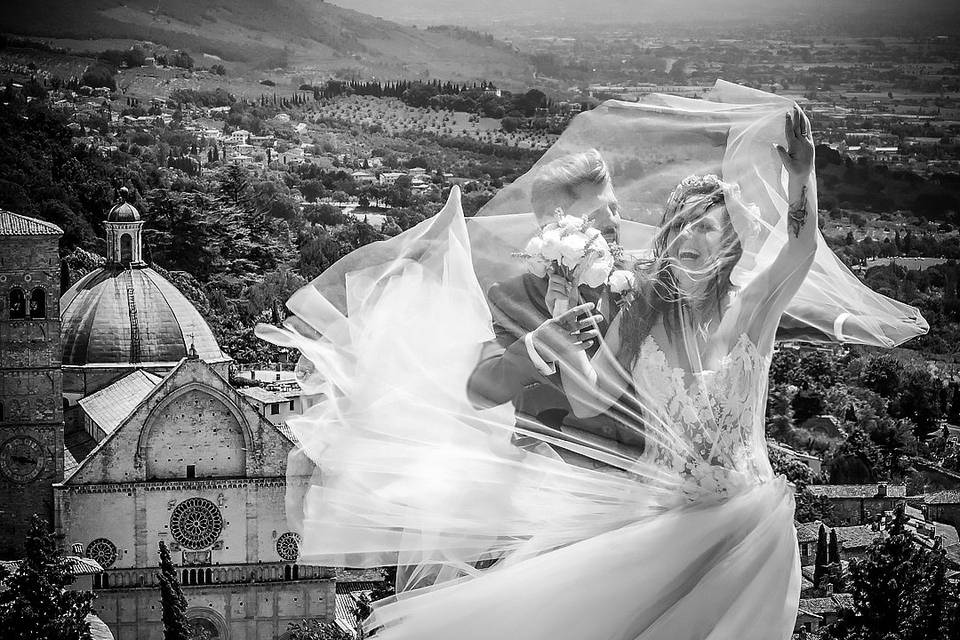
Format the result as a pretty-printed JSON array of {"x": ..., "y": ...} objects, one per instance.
[
  {"x": 397, "y": 466},
  {"x": 687, "y": 536}
]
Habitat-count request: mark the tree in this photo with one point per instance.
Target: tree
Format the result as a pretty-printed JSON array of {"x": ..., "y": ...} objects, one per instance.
[
  {"x": 270, "y": 293},
  {"x": 833, "y": 552},
  {"x": 855, "y": 461},
  {"x": 899, "y": 592},
  {"x": 99, "y": 75},
  {"x": 35, "y": 603},
  {"x": 820, "y": 562},
  {"x": 172, "y": 602},
  {"x": 312, "y": 190},
  {"x": 235, "y": 185},
  {"x": 315, "y": 629}
]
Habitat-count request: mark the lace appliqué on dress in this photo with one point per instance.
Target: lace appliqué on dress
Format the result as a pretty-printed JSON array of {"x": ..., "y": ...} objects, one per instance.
[{"x": 709, "y": 430}]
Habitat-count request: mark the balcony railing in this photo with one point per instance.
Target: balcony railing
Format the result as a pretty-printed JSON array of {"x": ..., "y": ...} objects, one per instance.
[{"x": 209, "y": 575}]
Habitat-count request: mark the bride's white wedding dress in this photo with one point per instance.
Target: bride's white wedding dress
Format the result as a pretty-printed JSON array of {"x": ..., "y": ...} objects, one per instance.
[
  {"x": 692, "y": 539},
  {"x": 695, "y": 540}
]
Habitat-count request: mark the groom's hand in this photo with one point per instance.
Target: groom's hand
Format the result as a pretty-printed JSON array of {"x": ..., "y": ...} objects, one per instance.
[
  {"x": 558, "y": 288},
  {"x": 573, "y": 331}
]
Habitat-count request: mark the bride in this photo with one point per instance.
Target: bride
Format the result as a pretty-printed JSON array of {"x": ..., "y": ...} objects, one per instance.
[{"x": 691, "y": 538}]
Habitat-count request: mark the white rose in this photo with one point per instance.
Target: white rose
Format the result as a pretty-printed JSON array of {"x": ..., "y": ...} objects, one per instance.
[
  {"x": 551, "y": 238},
  {"x": 534, "y": 247},
  {"x": 598, "y": 271},
  {"x": 621, "y": 281},
  {"x": 572, "y": 247},
  {"x": 571, "y": 223}
]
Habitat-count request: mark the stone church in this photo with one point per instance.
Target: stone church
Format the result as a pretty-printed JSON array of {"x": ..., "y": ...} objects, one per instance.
[{"x": 120, "y": 423}]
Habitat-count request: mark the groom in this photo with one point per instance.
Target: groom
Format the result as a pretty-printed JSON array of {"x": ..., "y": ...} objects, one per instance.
[{"x": 514, "y": 367}]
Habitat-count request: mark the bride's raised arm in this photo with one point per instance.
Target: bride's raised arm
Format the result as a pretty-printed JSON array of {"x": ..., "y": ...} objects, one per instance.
[{"x": 757, "y": 309}]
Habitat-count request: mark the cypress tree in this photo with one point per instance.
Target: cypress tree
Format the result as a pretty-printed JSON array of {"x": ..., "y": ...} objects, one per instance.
[
  {"x": 172, "y": 602},
  {"x": 833, "y": 555},
  {"x": 820, "y": 563}
]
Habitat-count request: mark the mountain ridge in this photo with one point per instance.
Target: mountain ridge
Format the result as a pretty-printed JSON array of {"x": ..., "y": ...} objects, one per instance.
[{"x": 300, "y": 34}]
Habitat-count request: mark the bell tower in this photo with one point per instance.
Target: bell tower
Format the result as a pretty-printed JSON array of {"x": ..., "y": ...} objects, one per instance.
[
  {"x": 124, "y": 226},
  {"x": 31, "y": 404}
]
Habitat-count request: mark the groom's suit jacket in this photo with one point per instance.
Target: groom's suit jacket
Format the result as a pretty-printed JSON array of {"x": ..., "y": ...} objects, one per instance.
[{"x": 506, "y": 373}]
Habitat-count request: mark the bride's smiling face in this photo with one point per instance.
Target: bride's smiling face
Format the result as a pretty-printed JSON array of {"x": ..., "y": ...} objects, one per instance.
[{"x": 696, "y": 247}]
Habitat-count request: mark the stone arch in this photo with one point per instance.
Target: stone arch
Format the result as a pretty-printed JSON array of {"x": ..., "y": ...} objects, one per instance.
[
  {"x": 126, "y": 248},
  {"x": 38, "y": 303},
  {"x": 199, "y": 426},
  {"x": 18, "y": 304},
  {"x": 211, "y": 622}
]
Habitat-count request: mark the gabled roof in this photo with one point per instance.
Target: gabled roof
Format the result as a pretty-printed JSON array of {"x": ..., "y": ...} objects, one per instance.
[
  {"x": 109, "y": 406},
  {"x": 13, "y": 224},
  {"x": 187, "y": 371}
]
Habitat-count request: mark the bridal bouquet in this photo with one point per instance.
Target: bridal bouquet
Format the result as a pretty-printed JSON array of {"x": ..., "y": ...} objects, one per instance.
[{"x": 572, "y": 247}]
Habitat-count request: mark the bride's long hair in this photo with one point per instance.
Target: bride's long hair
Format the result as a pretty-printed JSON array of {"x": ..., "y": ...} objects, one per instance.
[{"x": 658, "y": 292}]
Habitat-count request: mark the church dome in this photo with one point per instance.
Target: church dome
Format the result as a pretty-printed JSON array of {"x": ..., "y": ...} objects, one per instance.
[
  {"x": 131, "y": 316},
  {"x": 123, "y": 212}
]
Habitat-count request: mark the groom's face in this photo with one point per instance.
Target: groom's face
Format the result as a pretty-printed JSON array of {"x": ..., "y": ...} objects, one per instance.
[{"x": 599, "y": 205}]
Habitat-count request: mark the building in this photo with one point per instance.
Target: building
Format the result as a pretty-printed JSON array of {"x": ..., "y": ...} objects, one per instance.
[
  {"x": 818, "y": 612},
  {"x": 276, "y": 405},
  {"x": 125, "y": 316},
  {"x": 160, "y": 447},
  {"x": 31, "y": 409},
  {"x": 943, "y": 506},
  {"x": 860, "y": 503},
  {"x": 195, "y": 466}
]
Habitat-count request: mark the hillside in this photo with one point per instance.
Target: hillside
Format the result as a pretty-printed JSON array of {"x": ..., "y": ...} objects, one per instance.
[
  {"x": 299, "y": 35},
  {"x": 500, "y": 15}
]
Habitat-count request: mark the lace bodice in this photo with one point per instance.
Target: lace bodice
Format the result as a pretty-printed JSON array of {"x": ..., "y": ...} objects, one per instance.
[{"x": 706, "y": 428}]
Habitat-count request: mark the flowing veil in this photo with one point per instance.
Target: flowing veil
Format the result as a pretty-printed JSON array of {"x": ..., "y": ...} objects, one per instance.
[{"x": 658, "y": 516}]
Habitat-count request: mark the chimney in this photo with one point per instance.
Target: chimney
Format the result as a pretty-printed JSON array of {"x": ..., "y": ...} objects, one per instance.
[
  {"x": 253, "y": 374},
  {"x": 882, "y": 490},
  {"x": 828, "y": 589},
  {"x": 78, "y": 548}
]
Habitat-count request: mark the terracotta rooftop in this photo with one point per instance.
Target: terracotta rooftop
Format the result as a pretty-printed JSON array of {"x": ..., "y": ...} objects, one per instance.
[
  {"x": 942, "y": 497},
  {"x": 856, "y": 537},
  {"x": 12, "y": 224},
  {"x": 808, "y": 531}
]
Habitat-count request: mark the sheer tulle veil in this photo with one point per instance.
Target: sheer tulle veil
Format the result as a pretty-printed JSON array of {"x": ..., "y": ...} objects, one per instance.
[{"x": 494, "y": 510}]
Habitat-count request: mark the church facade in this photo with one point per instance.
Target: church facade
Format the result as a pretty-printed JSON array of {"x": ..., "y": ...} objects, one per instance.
[
  {"x": 118, "y": 397},
  {"x": 197, "y": 467}
]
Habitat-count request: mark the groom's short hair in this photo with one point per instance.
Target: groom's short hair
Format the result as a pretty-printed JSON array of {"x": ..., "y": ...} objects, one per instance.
[{"x": 557, "y": 182}]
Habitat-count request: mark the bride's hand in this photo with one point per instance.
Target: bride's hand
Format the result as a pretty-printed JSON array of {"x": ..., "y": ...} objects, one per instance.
[
  {"x": 562, "y": 338},
  {"x": 797, "y": 157}
]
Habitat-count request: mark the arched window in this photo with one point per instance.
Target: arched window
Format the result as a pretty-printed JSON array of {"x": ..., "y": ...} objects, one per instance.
[
  {"x": 126, "y": 248},
  {"x": 18, "y": 304},
  {"x": 38, "y": 303}
]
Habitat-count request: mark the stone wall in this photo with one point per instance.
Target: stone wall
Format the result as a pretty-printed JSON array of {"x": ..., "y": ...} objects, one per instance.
[
  {"x": 254, "y": 611},
  {"x": 31, "y": 411}
]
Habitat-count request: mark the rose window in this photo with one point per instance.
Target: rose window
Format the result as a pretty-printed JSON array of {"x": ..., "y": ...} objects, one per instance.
[
  {"x": 103, "y": 551},
  {"x": 288, "y": 546},
  {"x": 196, "y": 523}
]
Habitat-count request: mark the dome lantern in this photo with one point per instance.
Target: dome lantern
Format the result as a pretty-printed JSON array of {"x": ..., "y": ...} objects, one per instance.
[{"x": 124, "y": 226}]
